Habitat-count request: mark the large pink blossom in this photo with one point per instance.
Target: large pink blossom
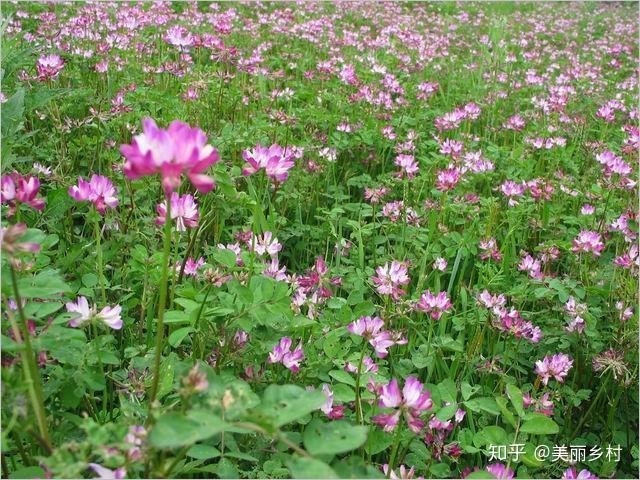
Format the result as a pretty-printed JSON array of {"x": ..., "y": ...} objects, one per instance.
[
  {"x": 180, "y": 149},
  {"x": 556, "y": 366}
]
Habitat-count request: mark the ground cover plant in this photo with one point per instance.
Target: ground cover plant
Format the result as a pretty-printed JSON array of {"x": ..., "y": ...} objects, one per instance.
[{"x": 317, "y": 240}]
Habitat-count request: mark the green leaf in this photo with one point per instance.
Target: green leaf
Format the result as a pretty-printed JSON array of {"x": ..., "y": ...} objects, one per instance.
[
  {"x": 486, "y": 404},
  {"x": 225, "y": 257},
  {"x": 28, "y": 472},
  {"x": 334, "y": 437},
  {"x": 539, "y": 424},
  {"x": 502, "y": 403},
  {"x": 203, "y": 452},
  {"x": 468, "y": 391},
  {"x": 179, "y": 335},
  {"x": 448, "y": 390},
  {"x": 343, "y": 377},
  {"x": 515, "y": 395},
  {"x": 310, "y": 468},
  {"x": 176, "y": 430},
  {"x": 283, "y": 404},
  {"x": 12, "y": 113},
  {"x": 445, "y": 413}
]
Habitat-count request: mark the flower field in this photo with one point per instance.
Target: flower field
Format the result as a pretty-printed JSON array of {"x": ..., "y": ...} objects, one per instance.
[{"x": 319, "y": 240}]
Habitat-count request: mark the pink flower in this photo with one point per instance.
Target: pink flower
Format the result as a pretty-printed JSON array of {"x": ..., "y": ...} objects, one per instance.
[
  {"x": 178, "y": 36},
  {"x": 389, "y": 276},
  {"x": 170, "y": 153},
  {"x": 99, "y": 191},
  {"x": 490, "y": 250},
  {"x": 282, "y": 353},
  {"x": 588, "y": 241},
  {"x": 49, "y": 66},
  {"x": 16, "y": 188},
  {"x": 276, "y": 272},
  {"x": 108, "y": 474},
  {"x": 407, "y": 164},
  {"x": 266, "y": 243},
  {"x": 571, "y": 474},
  {"x": 404, "y": 473},
  {"x": 556, "y": 366},
  {"x": 371, "y": 329},
  {"x": 374, "y": 195},
  {"x": 500, "y": 471},
  {"x": 436, "y": 305},
  {"x": 275, "y": 160},
  {"x": 447, "y": 179},
  {"x": 191, "y": 266},
  {"x": 184, "y": 211},
  {"x": 108, "y": 315},
  {"x": 587, "y": 209},
  {"x": 440, "y": 264},
  {"x": 411, "y": 403}
]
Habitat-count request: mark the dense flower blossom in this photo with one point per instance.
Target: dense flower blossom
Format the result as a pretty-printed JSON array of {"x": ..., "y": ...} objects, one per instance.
[
  {"x": 275, "y": 271},
  {"x": 110, "y": 316},
  {"x": 556, "y": 366},
  {"x": 49, "y": 66},
  {"x": 435, "y": 305},
  {"x": 180, "y": 149},
  {"x": 410, "y": 403},
  {"x": 275, "y": 160},
  {"x": 447, "y": 179},
  {"x": 388, "y": 278},
  {"x": 16, "y": 188},
  {"x": 99, "y": 191},
  {"x": 191, "y": 266},
  {"x": 371, "y": 328},
  {"x": 184, "y": 212},
  {"x": 588, "y": 241},
  {"x": 282, "y": 353},
  {"x": 407, "y": 164}
]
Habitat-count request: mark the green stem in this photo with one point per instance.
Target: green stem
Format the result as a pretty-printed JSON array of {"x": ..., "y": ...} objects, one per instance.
[
  {"x": 359, "y": 416},
  {"x": 161, "y": 306},
  {"x": 100, "y": 265},
  {"x": 394, "y": 451},
  {"x": 30, "y": 368}
]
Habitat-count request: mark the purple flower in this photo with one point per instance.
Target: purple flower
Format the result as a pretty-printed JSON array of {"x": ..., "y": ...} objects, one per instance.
[
  {"x": 371, "y": 329},
  {"x": 436, "y": 305},
  {"x": 108, "y": 474},
  {"x": 110, "y": 316},
  {"x": 282, "y": 353},
  {"x": 556, "y": 366},
  {"x": 588, "y": 241},
  {"x": 99, "y": 191},
  {"x": 184, "y": 211},
  {"x": 49, "y": 66},
  {"x": 411, "y": 403},
  {"x": 275, "y": 160},
  {"x": 389, "y": 276},
  {"x": 178, "y": 149},
  {"x": 500, "y": 471},
  {"x": 571, "y": 474}
]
